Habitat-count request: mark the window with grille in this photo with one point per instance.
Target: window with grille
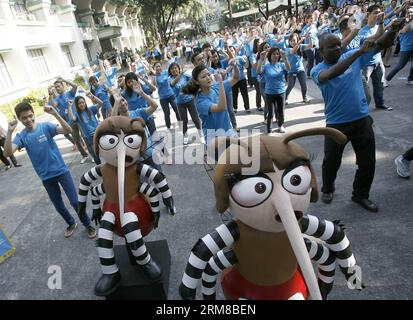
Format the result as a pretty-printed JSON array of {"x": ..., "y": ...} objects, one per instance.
[
  {"x": 18, "y": 7},
  {"x": 68, "y": 56},
  {"x": 5, "y": 79},
  {"x": 38, "y": 62}
]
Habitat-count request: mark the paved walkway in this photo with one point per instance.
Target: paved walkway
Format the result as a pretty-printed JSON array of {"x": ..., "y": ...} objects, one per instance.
[{"x": 382, "y": 242}]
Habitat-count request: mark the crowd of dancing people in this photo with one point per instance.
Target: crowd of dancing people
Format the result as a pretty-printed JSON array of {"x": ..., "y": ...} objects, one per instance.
[{"x": 334, "y": 47}]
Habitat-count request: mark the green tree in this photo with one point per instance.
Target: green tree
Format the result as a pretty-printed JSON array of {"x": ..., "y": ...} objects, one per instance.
[
  {"x": 241, "y": 5},
  {"x": 195, "y": 11},
  {"x": 164, "y": 15}
]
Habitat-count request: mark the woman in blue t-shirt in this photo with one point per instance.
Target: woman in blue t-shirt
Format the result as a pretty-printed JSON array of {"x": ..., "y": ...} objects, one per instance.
[
  {"x": 166, "y": 94},
  {"x": 264, "y": 46},
  {"x": 136, "y": 100},
  {"x": 210, "y": 100},
  {"x": 100, "y": 91},
  {"x": 295, "y": 58},
  {"x": 274, "y": 74},
  {"x": 406, "y": 48},
  {"x": 185, "y": 102},
  {"x": 86, "y": 118}
]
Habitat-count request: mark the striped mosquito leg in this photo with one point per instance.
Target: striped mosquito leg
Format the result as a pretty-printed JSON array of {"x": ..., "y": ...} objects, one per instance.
[
  {"x": 153, "y": 196},
  {"x": 85, "y": 182},
  {"x": 133, "y": 235},
  {"x": 223, "y": 260},
  {"x": 97, "y": 191},
  {"x": 222, "y": 237},
  {"x": 334, "y": 237},
  {"x": 326, "y": 262},
  {"x": 152, "y": 175},
  {"x": 105, "y": 244}
]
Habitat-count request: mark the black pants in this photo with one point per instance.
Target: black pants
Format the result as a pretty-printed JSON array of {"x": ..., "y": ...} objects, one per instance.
[
  {"x": 361, "y": 135},
  {"x": 183, "y": 108},
  {"x": 257, "y": 92},
  {"x": 2, "y": 157},
  {"x": 249, "y": 72},
  {"x": 408, "y": 155},
  {"x": 275, "y": 105},
  {"x": 77, "y": 138},
  {"x": 240, "y": 86}
]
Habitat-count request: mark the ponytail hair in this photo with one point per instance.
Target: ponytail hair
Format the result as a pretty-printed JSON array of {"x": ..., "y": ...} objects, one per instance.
[{"x": 192, "y": 87}]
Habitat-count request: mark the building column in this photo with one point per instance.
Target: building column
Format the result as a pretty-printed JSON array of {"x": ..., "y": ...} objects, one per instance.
[
  {"x": 132, "y": 33},
  {"x": 125, "y": 32},
  {"x": 94, "y": 46},
  {"x": 67, "y": 14}
]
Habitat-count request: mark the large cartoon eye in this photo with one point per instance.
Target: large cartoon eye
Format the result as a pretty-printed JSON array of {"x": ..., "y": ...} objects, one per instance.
[
  {"x": 108, "y": 142},
  {"x": 298, "y": 180},
  {"x": 251, "y": 192},
  {"x": 133, "y": 141}
]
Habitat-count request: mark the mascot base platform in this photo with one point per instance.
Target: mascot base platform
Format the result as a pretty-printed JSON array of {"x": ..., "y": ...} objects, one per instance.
[{"x": 135, "y": 285}]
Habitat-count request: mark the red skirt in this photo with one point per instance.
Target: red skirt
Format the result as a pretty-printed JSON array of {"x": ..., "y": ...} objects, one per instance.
[
  {"x": 139, "y": 206},
  {"x": 235, "y": 286}
]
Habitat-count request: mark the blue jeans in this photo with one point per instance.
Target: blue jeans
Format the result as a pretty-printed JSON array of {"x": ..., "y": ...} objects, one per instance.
[
  {"x": 291, "y": 83},
  {"x": 53, "y": 190},
  {"x": 405, "y": 56},
  {"x": 375, "y": 72},
  {"x": 165, "y": 107}
]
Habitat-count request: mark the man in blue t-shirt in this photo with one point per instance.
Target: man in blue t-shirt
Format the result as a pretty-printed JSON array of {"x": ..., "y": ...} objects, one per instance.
[
  {"x": 61, "y": 103},
  {"x": 346, "y": 111},
  {"x": 374, "y": 69},
  {"x": 47, "y": 161}
]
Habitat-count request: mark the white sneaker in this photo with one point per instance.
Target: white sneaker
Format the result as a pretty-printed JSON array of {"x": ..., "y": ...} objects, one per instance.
[
  {"x": 84, "y": 159},
  {"x": 186, "y": 140},
  {"x": 402, "y": 167},
  {"x": 281, "y": 129},
  {"x": 410, "y": 82}
]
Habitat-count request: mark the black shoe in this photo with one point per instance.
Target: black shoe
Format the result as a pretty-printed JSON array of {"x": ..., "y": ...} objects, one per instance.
[
  {"x": 17, "y": 165},
  {"x": 387, "y": 108},
  {"x": 327, "y": 197},
  {"x": 248, "y": 111},
  {"x": 151, "y": 270},
  {"x": 107, "y": 284},
  {"x": 366, "y": 204},
  {"x": 260, "y": 109}
]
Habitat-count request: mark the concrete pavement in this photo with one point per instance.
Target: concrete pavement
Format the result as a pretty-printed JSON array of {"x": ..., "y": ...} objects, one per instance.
[{"x": 381, "y": 242}]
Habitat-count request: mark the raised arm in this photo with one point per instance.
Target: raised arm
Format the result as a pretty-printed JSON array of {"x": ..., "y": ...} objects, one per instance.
[
  {"x": 151, "y": 102},
  {"x": 286, "y": 62},
  {"x": 117, "y": 97},
  {"x": 64, "y": 127},
  {"x": 70, "y": 83},
  {"x": 70, "y": 111},
  {"x": 260, "y": 64},
  {"x": 222, "y": 100},
  {"x": 236, "y": 75},
  {"x": 9, "y": 147},
  {"x": 341, "y": 66},
  {"x": 147, "y": 82},
  {"x": 176, "y": 80},
  {"x": 94, "y": 99}
]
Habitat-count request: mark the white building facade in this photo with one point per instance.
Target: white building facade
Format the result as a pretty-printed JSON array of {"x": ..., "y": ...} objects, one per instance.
[{"x": 45, "y": 39}]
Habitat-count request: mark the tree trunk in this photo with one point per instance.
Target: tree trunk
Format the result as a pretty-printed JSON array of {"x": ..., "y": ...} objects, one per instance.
[{"x": 230, "y": 12}]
